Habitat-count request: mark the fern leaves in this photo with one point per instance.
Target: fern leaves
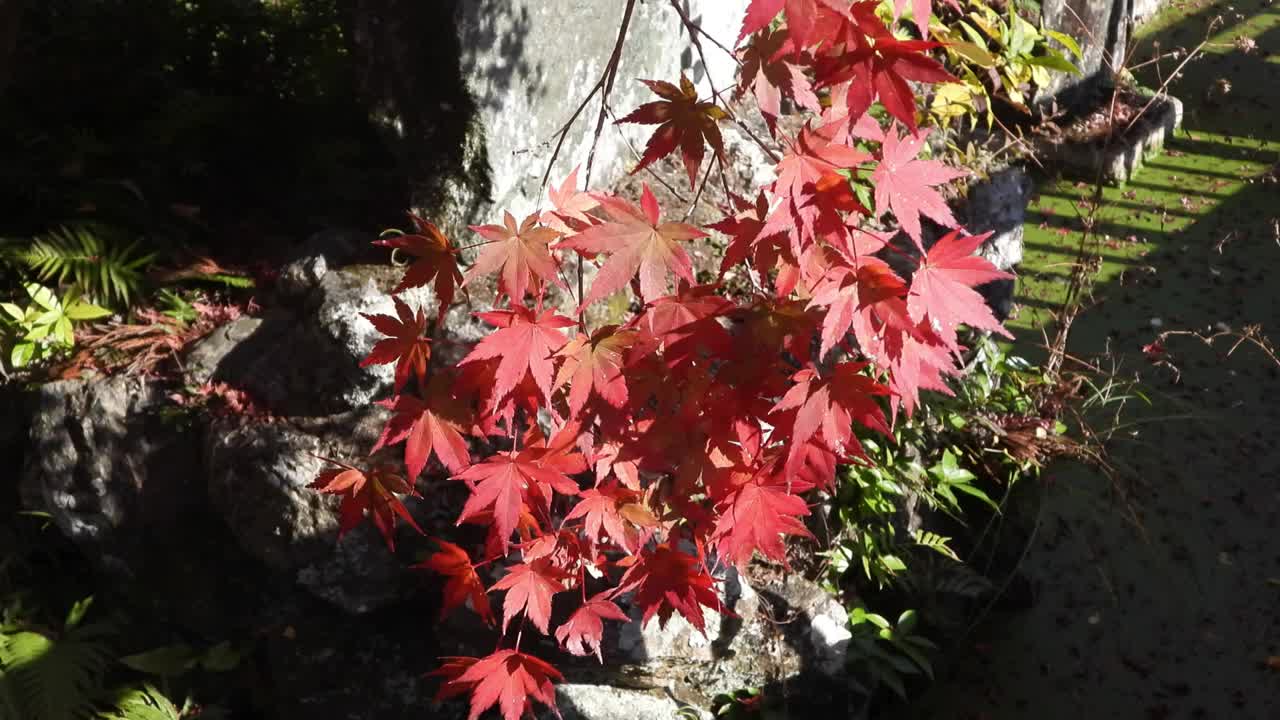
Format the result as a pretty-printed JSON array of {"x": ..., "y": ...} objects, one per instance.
[
  {"x": 53, "y": 680},
  {"x": 104, "y": 269}
]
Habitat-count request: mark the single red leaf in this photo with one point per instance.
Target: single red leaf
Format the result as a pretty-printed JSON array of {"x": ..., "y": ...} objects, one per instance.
[
  {"x": 905, "y": 184},
  {"x": 505, "y": 482},
  {"x": 529, "y": 587},
  {"x": 369, "y": 494},
  {"x": 882, "y": 68},
  {"x": 509, "y": 679},
  {"x": 666, "y": 581},
  {"x": 801, "y": 17},
  {"x": 583, "y": 632},
  {"x": 406, "y": 345},
  {"x": 462, "y": 582},
  {"x": 638, "y": 243},
  {"x": 435, "y": 425},
  {"x": 756, "y": 517},
  {"x": 683, "y": 123},
  {"x": 942, "y": 288},
  {"x": 437, "y": 259},
  {"x": 828, "y": 407},
  {"x": 525, "y": 342},
  {"x": 521, "y": 255}
]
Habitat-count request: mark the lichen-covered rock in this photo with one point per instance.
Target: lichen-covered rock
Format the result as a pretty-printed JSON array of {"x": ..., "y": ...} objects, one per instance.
[{"x": 258, "y": 473}]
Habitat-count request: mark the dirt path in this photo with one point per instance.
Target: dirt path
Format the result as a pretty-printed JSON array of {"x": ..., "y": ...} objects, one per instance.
[{"x": 1175, "y": 615}]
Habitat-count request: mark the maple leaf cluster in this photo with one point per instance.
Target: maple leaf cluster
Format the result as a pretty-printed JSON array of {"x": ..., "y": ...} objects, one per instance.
[{"x": 634, "y": 460}]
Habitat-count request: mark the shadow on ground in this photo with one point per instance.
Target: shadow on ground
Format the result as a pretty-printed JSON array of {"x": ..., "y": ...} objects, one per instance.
[{"x": 1160, "y": 603}]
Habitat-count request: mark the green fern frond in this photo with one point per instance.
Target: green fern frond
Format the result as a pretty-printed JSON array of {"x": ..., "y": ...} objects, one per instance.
[
  {"x": 101, "y": 268},
  {"x": 47, "y": 679},
  {"x": 144, "y": 703}
]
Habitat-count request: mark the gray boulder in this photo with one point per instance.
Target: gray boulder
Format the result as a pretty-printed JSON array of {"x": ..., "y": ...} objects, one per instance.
[
  {"x": 258, "y": 473},
  {"x": 999, "y": 205},
  {"x": 103, "y": 460}
]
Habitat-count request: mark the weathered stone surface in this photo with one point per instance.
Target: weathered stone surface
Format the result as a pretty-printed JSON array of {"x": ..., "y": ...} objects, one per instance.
[
  {"x": 304, "y": 359},
  {"x": 258, "y": 476},
  {"x": 784, "y": 628},
  {"x": 1117, "y": 160},
  {"x": 999, "y": 205},
  {"x": 1101, "y": 27},
  {"x": 202, "y": 360},
  {"x": 602, "y": 702},
  {"x": 101, "y": 460}
]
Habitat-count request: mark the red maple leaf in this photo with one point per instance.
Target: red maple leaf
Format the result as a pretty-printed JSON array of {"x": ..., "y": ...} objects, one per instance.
[
  {"x": 571, "y": 206},
  {"x": 370, "y": 493},
  {"x": 639, "y": 243},
  {"x": 683, "y": 122},
  {"x": 920, "y": 12},
  {"x": 862, "y": 298},
  {"x": 666, "y": 580},
  {"x": 529, "y": 587},
  {"x": 525, "y": 344},
  {"x": 756, "y": 517},
  {"x": 407, "y": 345},
  {"x": 520, "y": 253},
  {"x": 595, "y": 364},
  {"x": 436, "y": 258},
  {"x": 828, "y": 408},
  {"x": 615, "y": 511},
  {"x": 428, "y": 426},
  {"x": 505, "y": 482},
  {"x": 942, "y": 288},
  {"x": 584, "y": 630},
  {"x": 509, "y": 679},
  {"x": 881, "y": 68},
  {"x": 462, "y": 582},
  {"x": 769, "y": 78},
  {"x": 904, "y": 184},
  {"x": 802, "y": 17}
]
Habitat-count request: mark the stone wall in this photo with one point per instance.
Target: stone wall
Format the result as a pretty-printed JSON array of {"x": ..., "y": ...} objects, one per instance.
[{"x": 475, "y": 92}]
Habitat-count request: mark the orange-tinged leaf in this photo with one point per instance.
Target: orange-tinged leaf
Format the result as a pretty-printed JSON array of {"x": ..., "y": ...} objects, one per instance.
[
  {"x": 369, "y": 494},
  {"x": 436, "y": 258},
  {"x": 595, "y": 364},
  {"x": 683, "y": 123},
  {"x": 519, "y": 253}
]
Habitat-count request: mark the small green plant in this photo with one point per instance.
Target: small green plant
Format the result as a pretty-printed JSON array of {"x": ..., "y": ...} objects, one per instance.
[
  {"x": 885, "y": 654},
  {"x": 91, "y": 260},
  {"x": 44, "y": 328},
  {"x": 995, "y": 56},
  {"x": 53, "y": 675}
]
